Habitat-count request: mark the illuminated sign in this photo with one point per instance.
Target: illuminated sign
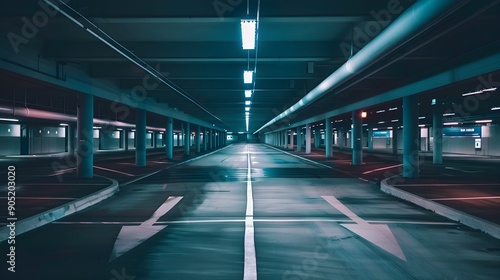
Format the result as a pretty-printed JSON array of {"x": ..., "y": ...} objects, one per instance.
[{"x": 462, "y": 131}]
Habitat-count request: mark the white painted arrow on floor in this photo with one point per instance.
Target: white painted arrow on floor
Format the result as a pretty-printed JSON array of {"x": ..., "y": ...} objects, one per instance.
[
  {"x": 131, "y": 236},
  {"x": 379, "y": 235}
]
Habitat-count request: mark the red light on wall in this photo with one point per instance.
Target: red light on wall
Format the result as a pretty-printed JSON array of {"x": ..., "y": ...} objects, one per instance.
[{"x": 363, "y": 115}]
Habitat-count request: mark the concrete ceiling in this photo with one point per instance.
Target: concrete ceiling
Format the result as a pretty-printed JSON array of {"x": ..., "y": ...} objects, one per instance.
[{"x": 197, "y": 45}]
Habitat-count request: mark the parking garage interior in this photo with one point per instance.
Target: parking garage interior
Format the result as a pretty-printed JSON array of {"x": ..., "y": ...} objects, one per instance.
[{"x": 335, "y": 140}]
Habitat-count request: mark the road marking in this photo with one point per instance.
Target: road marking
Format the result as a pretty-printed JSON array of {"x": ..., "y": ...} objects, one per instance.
[
  {"x": 114, "y": 171},
  {"x": 132, "y": 236},
  {"x": 466, "y": 198},
  {"x": 383, "y": 168},
  {"x": 250, "y": 268},
  {"x": 445, "y": 185},
  {"x": 464, "y": 171},
  {"x": 302, "y": 158},
  {"x": 44, "y": 198},
  {"x": 378, "y": 234},
  {"x": 298, "y": 220}
]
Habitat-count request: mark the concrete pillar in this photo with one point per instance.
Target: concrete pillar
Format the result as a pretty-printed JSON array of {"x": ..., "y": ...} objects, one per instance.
[
  {"x": 437, "y": 134},
  {"x": 187, "y": 139},
  {"x": 411, "y": 167},
  {"x": 308, "y": 138},
  {"x": 285, "y": 144},
  {"x": 125, "y": 139},
  {"x": 140, "y": 136},
  {"x": 169, "y": 143},
  {"x": 341, "y": 138},
  {"x": 198, "y": 139},
  {"x": 299, "y": 139},
  {"x": 71, "y": 138},
  {"x": 205, "y": 139},
  {"x": 370, "y": 139},
  {"x": 317, "y": 137},
  {"x": 357, "y": 137},
  {"x": 85, "y": 135},
  {"x": 210, "y": 138},
  {"x": 328, "y": 138}
]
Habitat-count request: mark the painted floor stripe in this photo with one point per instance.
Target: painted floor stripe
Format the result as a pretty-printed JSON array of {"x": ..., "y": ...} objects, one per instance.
[
  {"x": 305, "y": 220},
  {"x": 44, "y": 198},
  {"x": 114, "y": 171},
  {"x": 383, "y": 168},
  {"x": 302, "y": 158},
  {"x": 250, "y": 268},
  {"x": 466, "y": 198}
]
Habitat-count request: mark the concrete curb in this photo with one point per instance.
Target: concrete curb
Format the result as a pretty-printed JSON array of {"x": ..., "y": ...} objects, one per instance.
[
  {"x": 450, "y": 213},
  {"x": 62, "y": 211}
]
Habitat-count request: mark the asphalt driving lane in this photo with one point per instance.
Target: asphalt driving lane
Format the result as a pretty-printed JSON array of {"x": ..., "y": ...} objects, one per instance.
[{"x": 299, "y": 233}]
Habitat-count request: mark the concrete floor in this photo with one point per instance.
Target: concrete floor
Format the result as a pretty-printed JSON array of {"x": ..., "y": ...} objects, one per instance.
[{"x": 310, "y": 222}]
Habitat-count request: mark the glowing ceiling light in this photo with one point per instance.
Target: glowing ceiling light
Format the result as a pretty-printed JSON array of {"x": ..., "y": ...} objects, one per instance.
[
  {"x": 450, "y": 123},
  {"x": 248, "y": 102},
  {"x": 248, "y": 93},
  {"x": 9, "y": 120},
  {"x": 247, "y": 109},
  {"x": 248, "y": 76},
  {"x": 495, "y": 108},
  {"x": 484, "y": 121},
  {"x": 248, "y": 32}
]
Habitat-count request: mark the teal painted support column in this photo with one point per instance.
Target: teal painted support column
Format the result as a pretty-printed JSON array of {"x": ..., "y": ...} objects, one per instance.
[
  {"x": 140, "y": 136},
  {"x": 85, "y": 136},
  {"x": 205, "y": 139},
  {"x": 308, "y": 138},
  {"x": 198, "y": 139},
  {"x": 169, "y": 143},
  {"x": 328, "y": 138},
  {"x": 370, "y": 139},
  {"x": 299, "y": 139},
  {"x": 411, "y": 166},
  {"x": 187, "y": 140},
  {"x": 357, "y": 137},
  {"x": 437, "y": 134}
]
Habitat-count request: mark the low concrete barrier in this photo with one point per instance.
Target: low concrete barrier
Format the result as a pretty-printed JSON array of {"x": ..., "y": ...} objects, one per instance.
[
  {"x": 62, "y": 211},
  {"x": 450, "y": 213}
]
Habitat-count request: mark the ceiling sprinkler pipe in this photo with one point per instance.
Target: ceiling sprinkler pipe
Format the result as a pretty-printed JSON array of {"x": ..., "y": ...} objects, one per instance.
[{"x": 408, "y": 25}]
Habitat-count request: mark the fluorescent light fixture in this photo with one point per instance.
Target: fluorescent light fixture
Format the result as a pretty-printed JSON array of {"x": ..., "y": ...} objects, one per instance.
[
  {"x": 421, "y": 118},
  {"x": 9, "y": 120},
  {"x": 479, "y": 91},
  {"x": 390, "y": 127},
  {"x": 375, "y": 129},
  {"x": 421, "y": 125},
  {"x": 495, "y": 108},
  {"x": 448, "y": 114},
  {"x": 363, "y": 115},
  {"x": 248, "y": 32},
  {"x": 393, "y": 108},
  {"x": 248, "y": 102},
  {"x": 247, "y": 109},
  {"x": 473, "y": 93},
  {"x": 119, "y": 129},
  {"x": 365, "y": 124},
  {"x": 395, "y": 121},
  {"x": 380, "y": 111},
  {"x": 381, "y": 122},
  {"x": 247, "y": 114},
  {"x": 450, "y": 123},
  {"x": 63, "y": 124},
  {"x": 484, "y": 121},
  {"x": 248, "y": 93},
  {"x": 97, "y": 127},
  {"x": 248, "y": 76}
]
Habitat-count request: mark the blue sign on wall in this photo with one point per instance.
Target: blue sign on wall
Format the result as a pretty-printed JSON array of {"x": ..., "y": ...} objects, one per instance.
[
  {"x": 462, "y": 131},
  {"x": 382, "y": 134}
]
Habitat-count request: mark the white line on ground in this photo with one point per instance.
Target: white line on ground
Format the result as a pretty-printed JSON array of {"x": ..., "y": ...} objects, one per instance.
[
  {"x": 444, "y": 185},
  {"x": 464, "y": 171},
  {"x": 466, "y": 198},
  {"x": 383, "y": 168},
  {"x": 298, "y": 220},
  {"x": 114, "y": 171},
  {"x": 302, "y": 158},
  {"x": 250, "y": 268},
  {"x": 45, "y": 198}
]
